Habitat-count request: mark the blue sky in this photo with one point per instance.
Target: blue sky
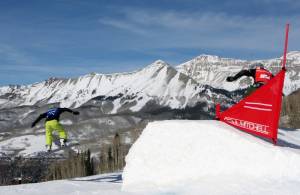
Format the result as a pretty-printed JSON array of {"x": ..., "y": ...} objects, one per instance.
[{"x": 67, "y": 38}]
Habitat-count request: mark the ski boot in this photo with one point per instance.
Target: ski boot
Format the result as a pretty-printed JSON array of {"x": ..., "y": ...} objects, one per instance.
[
  {"x": 63, "y": 142},
  {"x": 48, "y": 148}
]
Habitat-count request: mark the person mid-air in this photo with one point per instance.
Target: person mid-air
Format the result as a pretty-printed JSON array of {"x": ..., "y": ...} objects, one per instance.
[
  {"x": 259, "y": 74},
  {"x": 52, "y": 124}
]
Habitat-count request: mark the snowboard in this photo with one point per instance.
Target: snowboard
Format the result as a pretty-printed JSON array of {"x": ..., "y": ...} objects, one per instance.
[{"x": 53, "y": 153}]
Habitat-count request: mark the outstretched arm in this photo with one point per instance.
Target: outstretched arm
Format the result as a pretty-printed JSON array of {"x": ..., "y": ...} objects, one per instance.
[
  {"x": 38, "y": 119},
  {"x": 248, "y": 73},
  {"x": 69, "y": 110}
]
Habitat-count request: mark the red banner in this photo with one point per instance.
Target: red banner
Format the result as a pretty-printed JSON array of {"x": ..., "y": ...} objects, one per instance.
[{"x": 258, "y": 113}]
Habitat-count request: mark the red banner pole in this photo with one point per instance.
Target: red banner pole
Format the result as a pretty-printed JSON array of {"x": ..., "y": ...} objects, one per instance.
[
  {"x": 285, "y": 45},
  {"x": 218, "y": 111}
]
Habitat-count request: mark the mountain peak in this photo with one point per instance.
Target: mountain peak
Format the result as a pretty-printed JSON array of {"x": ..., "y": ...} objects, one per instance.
[
  {"x": 158, "y": 64},
  {"x": 51, "y": 80},
  {"x": 208, "y": 55},
  {"x": 209, "y": 58},
  {"x": 293, "y": 54}
]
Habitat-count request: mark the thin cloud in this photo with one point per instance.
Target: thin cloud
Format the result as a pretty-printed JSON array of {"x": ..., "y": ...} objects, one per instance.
[
  {"x": 123, "y": 25},
  {"x": 110, "y": 37},
  {"x": 13, "y": 55},
  {"x": 212, "y": 30}
]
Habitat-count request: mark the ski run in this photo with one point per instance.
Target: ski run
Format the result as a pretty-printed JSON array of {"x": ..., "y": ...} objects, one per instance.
[{"x": 192, "y": 157}]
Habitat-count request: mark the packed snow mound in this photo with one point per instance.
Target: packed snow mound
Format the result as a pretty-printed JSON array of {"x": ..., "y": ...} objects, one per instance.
[{"x": 211, "y": 156}]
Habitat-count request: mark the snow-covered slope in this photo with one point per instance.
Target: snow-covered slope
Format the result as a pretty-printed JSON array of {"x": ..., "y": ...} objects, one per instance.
[
  {"x": 213, "y": 70},
  {"x": 211, "y": 158},
  {"x": 191, "y": 158},
  {"x": 158, "y": 82},
  {"x": 106, "y": 184},
  {"x": 31, "y": 146}
]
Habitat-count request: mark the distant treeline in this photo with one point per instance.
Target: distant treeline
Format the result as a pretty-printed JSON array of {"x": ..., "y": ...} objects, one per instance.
[
  {"x": 31, "y": 170},
  {"x": 291, "y": 110}
]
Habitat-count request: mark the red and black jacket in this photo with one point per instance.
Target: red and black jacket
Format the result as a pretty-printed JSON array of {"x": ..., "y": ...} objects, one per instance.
[{"x": 259, "y": 75}]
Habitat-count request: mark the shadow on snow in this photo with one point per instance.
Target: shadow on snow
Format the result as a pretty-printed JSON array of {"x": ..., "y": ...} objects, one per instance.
[{"x": 114, "y": 178}]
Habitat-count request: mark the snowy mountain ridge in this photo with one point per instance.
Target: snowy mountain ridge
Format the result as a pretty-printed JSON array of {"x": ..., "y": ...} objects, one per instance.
[
  {"x": 158, "y": 83},
  {"x": 213, "y": 70}
]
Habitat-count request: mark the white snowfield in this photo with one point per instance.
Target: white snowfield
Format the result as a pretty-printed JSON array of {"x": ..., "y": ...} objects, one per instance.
[
  {"x": 106, "y": 184},
  {"x": 192, "y": 157},
  {"x": 29, "y": 145},
  {"x": 210, "y": 157}
]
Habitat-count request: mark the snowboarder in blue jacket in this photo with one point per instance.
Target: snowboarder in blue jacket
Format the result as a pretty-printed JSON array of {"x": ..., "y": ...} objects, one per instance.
[{"x": 52, "y": 124}]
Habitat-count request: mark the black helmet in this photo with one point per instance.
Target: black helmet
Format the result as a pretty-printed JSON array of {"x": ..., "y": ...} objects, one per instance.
[{"x": 256, "y": 65}]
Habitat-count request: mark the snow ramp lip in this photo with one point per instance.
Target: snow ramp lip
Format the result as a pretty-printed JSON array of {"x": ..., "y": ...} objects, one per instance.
[{"x": 170, "y": 153}]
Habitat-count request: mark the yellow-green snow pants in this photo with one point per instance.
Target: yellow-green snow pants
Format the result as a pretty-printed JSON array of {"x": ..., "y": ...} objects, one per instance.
[{"x": 51, "y": 126}]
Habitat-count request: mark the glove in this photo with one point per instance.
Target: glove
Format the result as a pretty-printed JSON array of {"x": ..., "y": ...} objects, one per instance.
[
  {"x": 229, "y": 79},
  {"x": 76, "y": 113}
]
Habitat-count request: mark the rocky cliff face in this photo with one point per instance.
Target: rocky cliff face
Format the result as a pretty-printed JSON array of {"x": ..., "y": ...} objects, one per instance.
[{"x": 213, "y": 70}]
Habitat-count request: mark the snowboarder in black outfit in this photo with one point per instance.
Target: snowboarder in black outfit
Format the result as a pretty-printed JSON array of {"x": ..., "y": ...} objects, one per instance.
[
  {"x": 259, "y": 74},
  {"x": 52, "y": 124}
]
